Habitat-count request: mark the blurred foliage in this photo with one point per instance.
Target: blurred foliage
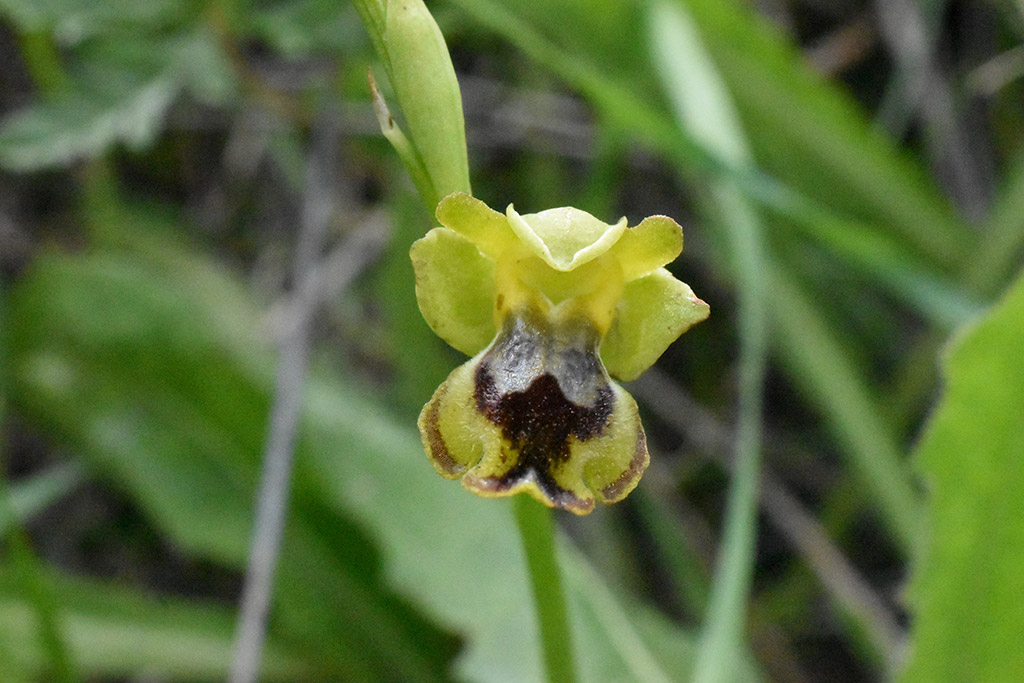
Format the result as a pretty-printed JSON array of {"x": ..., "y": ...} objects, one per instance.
[{"x": 152, "y": 158}]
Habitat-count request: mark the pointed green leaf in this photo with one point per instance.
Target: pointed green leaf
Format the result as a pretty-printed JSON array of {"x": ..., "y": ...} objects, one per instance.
[{"x": 423, "y": 78}]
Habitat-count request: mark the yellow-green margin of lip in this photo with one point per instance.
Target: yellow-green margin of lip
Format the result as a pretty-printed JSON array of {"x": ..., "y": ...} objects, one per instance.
[{"x": 551, "y": 306}]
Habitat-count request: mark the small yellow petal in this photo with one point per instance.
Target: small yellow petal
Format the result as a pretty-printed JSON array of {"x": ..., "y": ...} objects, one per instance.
[
  {"x": 454, "y": 434},
  {"x": 547, "y": 301},
  {"x": 656, "y": 241},
  {"x": 455, "y": 289},
  {"x": 653, "y": 312},
  {"x": 479, "y": 223},
  {"x": 565, "y": 238},
  {"x": 615, "y": 463}
]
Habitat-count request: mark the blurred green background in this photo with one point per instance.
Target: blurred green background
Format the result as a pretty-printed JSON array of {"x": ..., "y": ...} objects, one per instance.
[{"x": 158, "y": 160}]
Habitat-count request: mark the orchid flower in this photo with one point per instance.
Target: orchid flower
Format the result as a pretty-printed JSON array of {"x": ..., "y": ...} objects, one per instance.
[{"x": 550, "y": 306}]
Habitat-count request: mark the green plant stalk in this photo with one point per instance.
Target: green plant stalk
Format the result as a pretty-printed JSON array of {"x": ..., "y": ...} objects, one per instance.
[
  {"x": 537, "y": 530},
  {"x": 43, "y": 63},
  {"x": 31, "y": 576},
  {"x": 41, "y": 597},
  {"x": 703, "y": 108},
  {"x": 723, "y": 637}
]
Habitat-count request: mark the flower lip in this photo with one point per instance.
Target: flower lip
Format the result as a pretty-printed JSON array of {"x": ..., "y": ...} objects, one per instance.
[
  {"x": 537, "y": 413},
  {"x": 565, "y": 238}
]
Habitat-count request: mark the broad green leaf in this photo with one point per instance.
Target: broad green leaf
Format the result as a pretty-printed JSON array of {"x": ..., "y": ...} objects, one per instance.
[
  {"x": 121, "y": 95},
  {"x": 176, "y": 415},
  {"x": 80, "y": 125},
  {"x": 117, "y": 632},
  {"x": 474, "y": 580},
  {"x": 967, "y": 589},
  {"x": 300, "y": 28}
]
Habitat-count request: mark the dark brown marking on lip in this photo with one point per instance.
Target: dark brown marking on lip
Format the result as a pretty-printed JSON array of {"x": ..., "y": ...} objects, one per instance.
[
  {"x": 438, "y": 448},
  {"x": 637, "y": 465},
  {"x": 538, "y": 424}
]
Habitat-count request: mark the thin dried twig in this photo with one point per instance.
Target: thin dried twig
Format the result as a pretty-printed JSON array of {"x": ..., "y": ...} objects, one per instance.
[{"x": 272, "y": 499}]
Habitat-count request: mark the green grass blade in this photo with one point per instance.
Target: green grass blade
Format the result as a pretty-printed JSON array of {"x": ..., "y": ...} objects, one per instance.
[
  {"x": 30, "y": 496},
  {"x": 1002, "y": 246},
  {"x": 415, "y": 57},
  {"x": 702, "y": 105},
  {"x": 43, "y": 616},
  {"x": 823, "y": 369},
  {"x": 809, "y": 133}
]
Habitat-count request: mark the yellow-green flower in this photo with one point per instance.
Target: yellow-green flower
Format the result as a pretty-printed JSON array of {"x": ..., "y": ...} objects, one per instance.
[{"x": 550, "y": 305}]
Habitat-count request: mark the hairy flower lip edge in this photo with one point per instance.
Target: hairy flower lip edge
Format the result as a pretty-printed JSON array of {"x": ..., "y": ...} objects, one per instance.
[
  {"x": 449, "y": 468},
  {"x": 592, "y": 467}
]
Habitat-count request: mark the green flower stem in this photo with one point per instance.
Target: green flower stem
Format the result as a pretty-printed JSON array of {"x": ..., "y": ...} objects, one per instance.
[
  {"x": 537, "y": 529},
  {"x": 723, "y": 634}
]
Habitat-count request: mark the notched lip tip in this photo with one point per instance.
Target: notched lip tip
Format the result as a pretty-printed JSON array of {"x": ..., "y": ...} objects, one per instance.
[{"x": 493, "y": 487}]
